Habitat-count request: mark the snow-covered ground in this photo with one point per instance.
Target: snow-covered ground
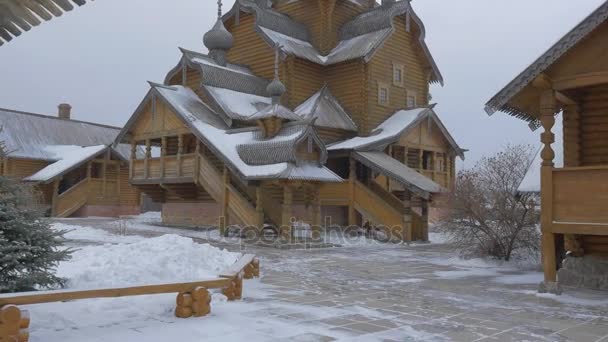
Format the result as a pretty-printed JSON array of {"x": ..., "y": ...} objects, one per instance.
[{"x": 372, "y": 292}]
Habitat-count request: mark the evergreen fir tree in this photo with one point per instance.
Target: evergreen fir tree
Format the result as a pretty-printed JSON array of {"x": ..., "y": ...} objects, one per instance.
[{"x": 29, "y": 249}]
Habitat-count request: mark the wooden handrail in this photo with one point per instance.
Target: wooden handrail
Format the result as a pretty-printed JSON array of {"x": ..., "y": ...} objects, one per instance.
[
  {"x": 66, "y": 295},
  {"x": 193, "y": 298},
  {"x": 73, "y": 188},
  {"x": 581, "y": 168}
]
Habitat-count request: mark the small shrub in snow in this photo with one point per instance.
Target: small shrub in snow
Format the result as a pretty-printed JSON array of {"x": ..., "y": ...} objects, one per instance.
[
  {"x": 489, "y": 217},
  {"x": 29, "y": 248}
]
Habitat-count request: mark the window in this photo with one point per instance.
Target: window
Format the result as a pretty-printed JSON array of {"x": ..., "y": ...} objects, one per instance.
[
  {"x": 427, "y": 160},
  {"x": 398, "y": 72},
  {"x": 383, "y": 94},
  {"x": 411, "y": 99}
]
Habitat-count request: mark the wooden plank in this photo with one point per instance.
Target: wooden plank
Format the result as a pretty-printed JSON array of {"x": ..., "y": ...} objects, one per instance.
[
  {"x": 580, "y": 228},
  {"x": 237, "y": 267},
  {"x": 61, "y": 296}
]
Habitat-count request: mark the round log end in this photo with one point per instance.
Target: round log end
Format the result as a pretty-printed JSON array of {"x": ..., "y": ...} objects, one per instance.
[{"x": 10, "y": 315}]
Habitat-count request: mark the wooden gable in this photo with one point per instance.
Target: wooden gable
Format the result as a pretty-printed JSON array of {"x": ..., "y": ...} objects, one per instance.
[
  {"x": 426, "y": 135},
  {"x": 156, "y": 119}
]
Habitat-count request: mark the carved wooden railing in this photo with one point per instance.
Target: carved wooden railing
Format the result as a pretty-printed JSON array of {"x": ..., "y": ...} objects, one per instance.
[
  {"x": 193, "y": 299},
  {"x": 72, "y": 199},
  {"x": 580, "y": 200},
  {"x": 183, "y": 166}
]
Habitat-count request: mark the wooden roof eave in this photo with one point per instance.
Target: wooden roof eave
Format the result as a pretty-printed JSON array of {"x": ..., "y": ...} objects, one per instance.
[
  {"x": 68, "y": 170},
  {"x": 503, "y": 100},
  {"x": 411, "y": 187}
]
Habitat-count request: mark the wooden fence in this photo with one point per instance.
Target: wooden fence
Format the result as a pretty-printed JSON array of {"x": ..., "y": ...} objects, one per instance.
[{"x": 193, "y": 298}]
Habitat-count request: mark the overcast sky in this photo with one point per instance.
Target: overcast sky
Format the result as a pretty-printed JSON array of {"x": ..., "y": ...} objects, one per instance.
[{"x": 99, "y": 57}]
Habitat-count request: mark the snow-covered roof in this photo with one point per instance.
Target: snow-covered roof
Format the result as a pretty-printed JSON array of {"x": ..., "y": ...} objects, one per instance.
[
  {"x": 211, "y": 129},
  {"x": 276, "y": 111},
  {"x": 531, "y": 182},
  {"x": 359, "y": 38},
  {"x": 17, "y": 16},
  {"x": 28, "y": 135},
  {"x": 282, "y": 147},
  {"x": 327, "y": 111},
  {"x": 386, "y": 133},
  {"x": 393, "y": 128},
  {"x": 396, "y": 170},
  {"x": 69, "y": 157},
  {"x": 237, "y": 105},
  {"x": 232, "y": 76}
]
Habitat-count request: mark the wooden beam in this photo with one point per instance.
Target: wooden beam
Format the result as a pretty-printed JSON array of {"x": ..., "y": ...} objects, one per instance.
[
  {"x": 287, "y": 213},
  {"x": 148, "y": 156},
  {"x": 581, "y": 80},
  {"x": 580, "y": 228},
  {"x": 352, "y": 177},
  {"x": 225, "y": 205},
  {"x": 543, "y": 82}
]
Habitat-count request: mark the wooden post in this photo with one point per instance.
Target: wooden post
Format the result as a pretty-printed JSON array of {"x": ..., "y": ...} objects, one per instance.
[
  {"x": 421, "y": 160},
  {"x": 287, "y": 213},
  {"x": 407, "y": 231},
  {"x": 425, "y": 220},
  {"x": 316, "y": 213},
  {"x": 225, "y": 203},
  {"x": 55, "y": 197},
  {"x": 106, "y": 160},
  {"x": 259, "y": 209},
  {"x": 132, "y": 159},
  {"x": 89, "y": 171},
  {"x": 197, "y": 161},
  {"x": 148, "y": 156},
  {"x": 547, "y": 112},
  {"x": 163, "y": 153},
  {"x": 180, "y": 151},
  {"x": 352, "y": 177}
]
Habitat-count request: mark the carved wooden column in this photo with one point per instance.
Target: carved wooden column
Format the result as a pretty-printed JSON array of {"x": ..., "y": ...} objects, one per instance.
[
  {"x": 146, "y": 160},
  {"x": 259, "y": 209},
  {"x": 225, "y": 205},
  {"x": 352, "y": 177},
  {"x": 547, "y": 118},
  {"x": 163, "y": 153},
  {"x": 287, "y": 213}
]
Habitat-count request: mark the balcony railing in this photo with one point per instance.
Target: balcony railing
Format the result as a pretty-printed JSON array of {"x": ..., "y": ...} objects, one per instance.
[{"x": 165, "y": 168}]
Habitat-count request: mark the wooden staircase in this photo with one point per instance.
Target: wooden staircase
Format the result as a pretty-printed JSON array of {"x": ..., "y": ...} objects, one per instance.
[
  {"x": 71, "y": 200},
  {"x": 211, "y": 179}
]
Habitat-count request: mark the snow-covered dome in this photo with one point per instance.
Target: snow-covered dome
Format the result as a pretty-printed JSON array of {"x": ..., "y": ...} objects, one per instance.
[
  {"x": 276, "y": 88},
  {"x": 218, "y": 38}
]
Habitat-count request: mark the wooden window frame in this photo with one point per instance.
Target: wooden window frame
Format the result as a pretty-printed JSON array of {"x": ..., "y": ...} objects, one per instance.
[
  {"x": 401, "y": 69},
  {"x": 384, "y": 86},
  {"x": 411, "y": 94}
]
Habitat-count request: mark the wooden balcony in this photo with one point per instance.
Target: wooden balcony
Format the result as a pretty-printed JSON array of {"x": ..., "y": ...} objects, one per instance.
[
  {"x": 167, "y": 169},
  {"x": 580, "y": 200}
]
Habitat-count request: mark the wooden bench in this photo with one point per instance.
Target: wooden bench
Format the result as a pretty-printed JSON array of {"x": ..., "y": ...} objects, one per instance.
[{"x": 193, "y": 299}]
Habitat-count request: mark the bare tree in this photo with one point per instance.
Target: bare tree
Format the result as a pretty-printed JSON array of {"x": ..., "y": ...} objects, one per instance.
[{"x": 489, "y": 217}]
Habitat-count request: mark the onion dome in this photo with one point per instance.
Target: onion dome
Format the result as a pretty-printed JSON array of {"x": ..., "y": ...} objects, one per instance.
[
  {"x": 218, "y": 38},
  {"x": 276, "y": 88}
]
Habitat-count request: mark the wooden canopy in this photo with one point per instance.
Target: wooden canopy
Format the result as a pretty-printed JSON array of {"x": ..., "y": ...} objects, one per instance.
[{"x": 17, "y": 16}]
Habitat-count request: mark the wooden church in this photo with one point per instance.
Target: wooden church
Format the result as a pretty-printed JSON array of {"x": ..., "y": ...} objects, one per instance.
[
  {"x": 309, "y": 112},
  {"x": 570, "y": 78}
]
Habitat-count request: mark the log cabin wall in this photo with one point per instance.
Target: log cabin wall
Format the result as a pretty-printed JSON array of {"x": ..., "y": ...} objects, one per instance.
[
  {"x": 21, "y": 168},
  {"x": 322, "y": 18},
  {"x": 250, "y": 49},
  {"x": 348, "y": 83},
  {"x": 593, "y": 125},
  {"x": 304, "y": 79},
  {"x": 402, "y": 48}
]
